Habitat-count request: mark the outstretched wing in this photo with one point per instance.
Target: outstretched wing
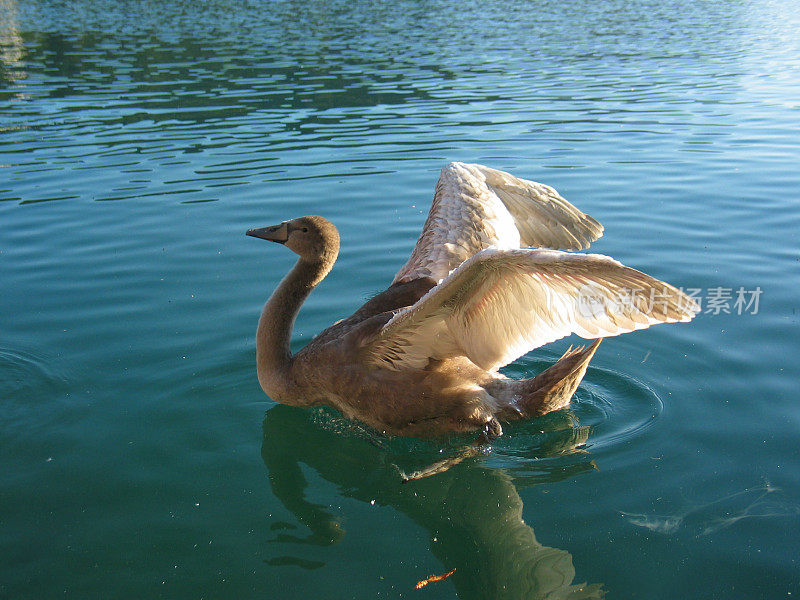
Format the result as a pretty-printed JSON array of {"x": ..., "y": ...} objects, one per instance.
[
  {"x": 476, "y": 207},
  {"x": 501, "y": 304}
]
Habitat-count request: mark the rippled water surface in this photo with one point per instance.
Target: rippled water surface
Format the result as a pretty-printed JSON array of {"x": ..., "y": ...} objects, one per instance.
[{"x": 139, "y": 140}]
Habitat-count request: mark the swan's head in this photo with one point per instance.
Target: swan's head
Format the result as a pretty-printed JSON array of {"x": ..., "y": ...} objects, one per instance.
[{"x": 314, "y": 238}]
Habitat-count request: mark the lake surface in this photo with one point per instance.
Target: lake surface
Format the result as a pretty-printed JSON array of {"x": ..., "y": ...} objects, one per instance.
[{"x": 139, "y": 140}]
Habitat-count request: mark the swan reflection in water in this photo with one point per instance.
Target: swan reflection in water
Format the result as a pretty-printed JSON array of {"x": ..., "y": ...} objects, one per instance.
[{"x": 472, "y": 511}]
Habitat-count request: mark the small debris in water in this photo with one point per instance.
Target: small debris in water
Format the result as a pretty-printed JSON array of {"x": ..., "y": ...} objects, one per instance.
[{"x": 433, "y": 578}]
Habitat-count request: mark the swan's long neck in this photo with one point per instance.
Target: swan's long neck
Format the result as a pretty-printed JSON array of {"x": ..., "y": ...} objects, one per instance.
[{"x": 273, "y": 355}]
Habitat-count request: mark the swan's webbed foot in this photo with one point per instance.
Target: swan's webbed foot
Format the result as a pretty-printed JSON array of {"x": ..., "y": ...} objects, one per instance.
[{"x": 491, "y": 431}]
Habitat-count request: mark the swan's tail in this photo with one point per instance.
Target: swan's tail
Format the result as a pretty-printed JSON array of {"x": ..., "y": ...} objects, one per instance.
[{"x": 553, "y": 388}]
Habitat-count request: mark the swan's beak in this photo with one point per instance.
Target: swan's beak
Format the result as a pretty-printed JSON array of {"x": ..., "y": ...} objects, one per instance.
[{"x": 275, "y": 233}]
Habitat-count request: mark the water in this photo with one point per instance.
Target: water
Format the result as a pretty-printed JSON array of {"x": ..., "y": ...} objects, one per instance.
[{"x": 139, "y": 140}]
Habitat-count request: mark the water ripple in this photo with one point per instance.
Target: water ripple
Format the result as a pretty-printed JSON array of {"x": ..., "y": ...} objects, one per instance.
[
  {"x": 608, "y": 410},
  {"x": 29, "y": 387},
  {"x": 21, "y": 372},
  {"x": 616, "y": 406}
]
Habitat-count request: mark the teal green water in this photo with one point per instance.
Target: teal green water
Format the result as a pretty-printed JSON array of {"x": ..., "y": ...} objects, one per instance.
[{"x": 139, "y": 140}]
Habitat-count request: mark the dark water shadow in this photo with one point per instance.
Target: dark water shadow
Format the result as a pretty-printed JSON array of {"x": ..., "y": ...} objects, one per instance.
[{"x": 472, "y": 512}]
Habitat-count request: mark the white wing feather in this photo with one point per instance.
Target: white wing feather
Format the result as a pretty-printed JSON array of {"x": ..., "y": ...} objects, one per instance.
[
  {"x": 476, "y": 207},
  {"x": 500, "y": 304}
]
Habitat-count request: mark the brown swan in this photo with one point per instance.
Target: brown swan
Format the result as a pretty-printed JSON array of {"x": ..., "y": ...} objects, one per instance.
[{"x": 486, "y": 283}]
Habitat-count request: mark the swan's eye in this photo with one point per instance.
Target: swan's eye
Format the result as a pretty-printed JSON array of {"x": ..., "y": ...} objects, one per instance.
[{"x": 305, "y": 229}]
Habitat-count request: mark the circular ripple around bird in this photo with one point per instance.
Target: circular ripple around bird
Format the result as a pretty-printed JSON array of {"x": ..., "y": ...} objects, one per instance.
[
  {"x": 614, "y": 407},
  {"x": 608, "y": 410},
  {"x": 617, "y": 407}
]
